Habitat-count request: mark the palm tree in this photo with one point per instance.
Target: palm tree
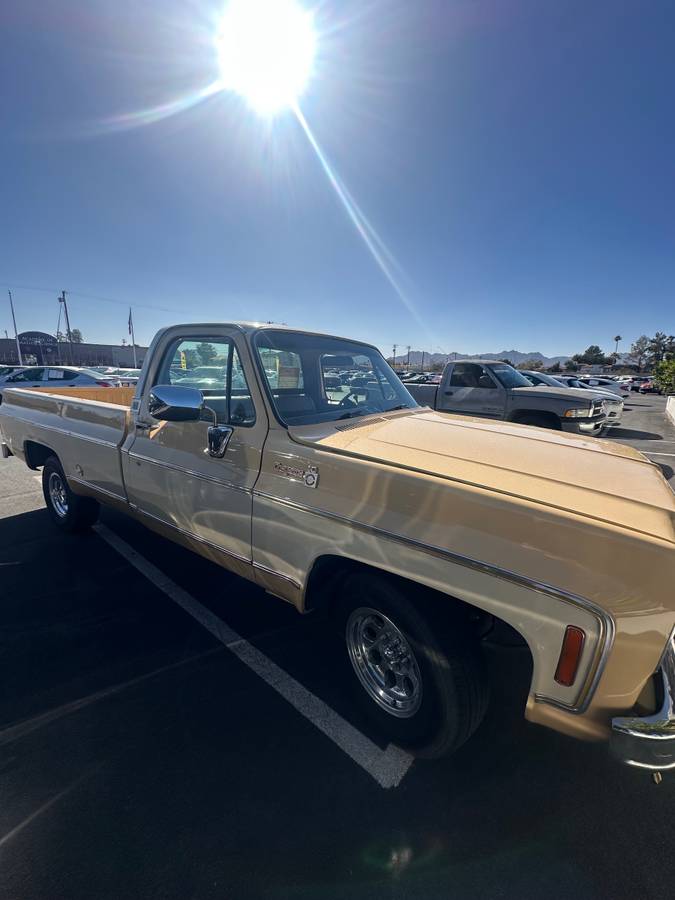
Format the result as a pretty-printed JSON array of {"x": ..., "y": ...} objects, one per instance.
[{"x": 617, "y": 338}]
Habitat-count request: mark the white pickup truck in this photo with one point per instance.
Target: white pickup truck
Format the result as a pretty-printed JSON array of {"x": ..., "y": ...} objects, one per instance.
[{"x": 301, "y": 462}]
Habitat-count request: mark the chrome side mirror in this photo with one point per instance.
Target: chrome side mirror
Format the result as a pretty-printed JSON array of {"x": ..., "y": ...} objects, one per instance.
[{"x": 172, "y": 403}]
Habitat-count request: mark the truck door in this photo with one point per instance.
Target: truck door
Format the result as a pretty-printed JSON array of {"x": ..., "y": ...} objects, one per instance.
[
  {"x": 472, "y": 390},
  {"x": 169, "y": 474}
]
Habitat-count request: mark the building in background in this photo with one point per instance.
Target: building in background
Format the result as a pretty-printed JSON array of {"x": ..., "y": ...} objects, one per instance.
[{"x": 40, "y": 348}]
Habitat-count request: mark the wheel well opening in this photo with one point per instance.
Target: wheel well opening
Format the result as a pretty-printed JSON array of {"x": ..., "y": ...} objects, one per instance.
[
  {"x": 328, "y": 574},
  {"x": 37, "y": 454},
  {"x": 548, "y": 418}
]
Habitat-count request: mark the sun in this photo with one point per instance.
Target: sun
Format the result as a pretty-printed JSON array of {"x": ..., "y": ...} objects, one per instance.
[{"x": 266, "y": 51}]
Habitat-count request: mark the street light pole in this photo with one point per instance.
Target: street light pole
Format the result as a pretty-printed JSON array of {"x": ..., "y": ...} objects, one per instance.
[
  {"x": 16, "y": 333},
  {"x": 395, "y": 348},
  {"x": 62, "y": 299},
  {"x": 408, "y": 363}
]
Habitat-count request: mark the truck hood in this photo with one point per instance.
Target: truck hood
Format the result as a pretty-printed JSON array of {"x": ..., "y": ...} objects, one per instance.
[
  {"x": 559, "y": 393},
  {"x": 599, "y": 479}
]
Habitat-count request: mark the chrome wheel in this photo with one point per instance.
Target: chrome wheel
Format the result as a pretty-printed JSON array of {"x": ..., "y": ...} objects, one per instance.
[
  {"x": 58, "y": 495},
  {"x": 384, "y": 662}
]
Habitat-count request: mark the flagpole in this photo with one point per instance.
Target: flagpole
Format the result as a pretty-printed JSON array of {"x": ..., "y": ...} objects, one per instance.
[
  {"x": 133, "y": 339},
  {"x": 16, "y": 333}
]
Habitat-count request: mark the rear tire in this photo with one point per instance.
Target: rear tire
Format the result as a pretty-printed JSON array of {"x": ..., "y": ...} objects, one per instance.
[
  {"x": 418, "y": 676},
  {"x": 68, "y": 511}
]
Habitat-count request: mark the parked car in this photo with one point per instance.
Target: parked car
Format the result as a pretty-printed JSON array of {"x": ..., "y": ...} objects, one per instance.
[
  {"x": 607, "y": 384},
  {"x": 613, "y": 405},
  {"x": 419, "y": 378},
  {"x": 332, "y": 382},
  {"x": 639, "y": 380},
  {"x": 58, "y": 376},
  {"x": 127, "y": 377},
  {"x": 496, "y": 390},
  {"x": 649, "y": 387},
  {"x": 411, "y": 525}
]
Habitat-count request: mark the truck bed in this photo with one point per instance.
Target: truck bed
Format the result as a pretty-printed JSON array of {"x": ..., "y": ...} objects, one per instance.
[
  {"x": 121, "y": 396},
  {"x": 85, "y": 427},
  {"x": 425, "y": 394}
]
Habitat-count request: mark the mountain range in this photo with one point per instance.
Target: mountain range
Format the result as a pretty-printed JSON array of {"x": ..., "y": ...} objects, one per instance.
[{"x": 515, "y": 356}]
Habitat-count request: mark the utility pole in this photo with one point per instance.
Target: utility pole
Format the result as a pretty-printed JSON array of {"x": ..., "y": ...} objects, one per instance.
[
  {"x": 133, "y": 339},
  {"x": 422, "y": 366},
  {"x": 16, "y": 333},
  {"x": 395, "y": 349},
  {"x": 408, "y": 363},
  {"x": 62, "y": 299}
]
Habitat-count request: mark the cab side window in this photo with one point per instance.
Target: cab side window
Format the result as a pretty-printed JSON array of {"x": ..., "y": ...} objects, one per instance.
[
  {"x": 212, "y": 366},
  {"x": 470, "y": 375}
]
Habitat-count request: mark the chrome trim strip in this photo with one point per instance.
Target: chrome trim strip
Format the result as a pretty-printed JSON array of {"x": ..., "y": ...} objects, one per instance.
[
  {"x": 184, "y": 471},
  {"x": 96, "y": 487},
  {"x": 268, "y": 571},
  {"x": 605, "y": 620},
  {"x": 75, "y": 434},
  {"x": 190, "y": 534}
]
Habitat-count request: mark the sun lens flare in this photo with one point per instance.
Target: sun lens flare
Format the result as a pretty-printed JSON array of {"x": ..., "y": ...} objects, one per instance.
[{"x": 266, "y": 51}]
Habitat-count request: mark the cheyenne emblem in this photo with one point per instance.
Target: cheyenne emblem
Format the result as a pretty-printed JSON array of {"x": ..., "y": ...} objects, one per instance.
[{"x": 310, "y": 475}]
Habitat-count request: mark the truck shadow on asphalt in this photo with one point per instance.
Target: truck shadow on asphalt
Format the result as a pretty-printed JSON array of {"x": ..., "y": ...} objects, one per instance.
[{"x": 634, "y": 435}]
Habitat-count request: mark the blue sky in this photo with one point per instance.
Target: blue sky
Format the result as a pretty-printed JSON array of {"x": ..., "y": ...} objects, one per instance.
[{"x": 515, "y": 157}]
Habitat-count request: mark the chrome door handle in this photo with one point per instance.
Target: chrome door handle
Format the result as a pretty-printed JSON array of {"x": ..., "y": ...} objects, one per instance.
[{"x": 218, "y": 437}]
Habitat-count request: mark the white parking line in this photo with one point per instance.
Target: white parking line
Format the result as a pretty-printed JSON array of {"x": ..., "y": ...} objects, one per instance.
[
  {"x": 654, "y": 453},
  {"x": 387, "y": 767}
]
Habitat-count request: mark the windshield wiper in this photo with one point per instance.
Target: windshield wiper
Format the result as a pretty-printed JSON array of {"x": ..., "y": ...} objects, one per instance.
[
  {"x": 400, "y": 406},
  {"x": 352, "y": 414}
]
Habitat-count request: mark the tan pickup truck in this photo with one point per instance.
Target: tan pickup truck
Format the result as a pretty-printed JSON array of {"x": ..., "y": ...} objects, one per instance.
[{"x": 301, "y": 462}]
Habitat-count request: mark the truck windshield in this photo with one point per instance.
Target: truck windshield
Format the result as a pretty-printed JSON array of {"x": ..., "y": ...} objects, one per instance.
[
  {"x": 509, "y": 376},
  {"x": 313, "y": 379}
]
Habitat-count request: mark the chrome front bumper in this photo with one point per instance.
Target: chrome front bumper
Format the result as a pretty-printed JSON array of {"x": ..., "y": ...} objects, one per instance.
[
  {"x": 614, "y": 411},
  {"x": 649, "y": 742}
]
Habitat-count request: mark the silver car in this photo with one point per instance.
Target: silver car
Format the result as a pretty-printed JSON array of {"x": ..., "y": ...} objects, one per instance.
[
  {"x": 57, "y": 376},
  {"x": 604, "y": 384}
]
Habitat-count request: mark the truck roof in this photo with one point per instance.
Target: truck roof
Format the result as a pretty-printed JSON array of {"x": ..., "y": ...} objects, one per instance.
[
  {"x": 249, "y": 327},
  {"x": 482, "y": 362}
]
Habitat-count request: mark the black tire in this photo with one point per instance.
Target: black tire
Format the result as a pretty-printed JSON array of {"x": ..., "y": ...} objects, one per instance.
[
  {"x": 447, "y": 655},
  {"x": 539, "y": 420},
  {"x": 69, "y": 511}
]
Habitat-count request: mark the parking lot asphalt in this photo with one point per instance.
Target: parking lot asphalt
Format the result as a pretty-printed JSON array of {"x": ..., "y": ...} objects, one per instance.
[
  {"x": 141, "y": 757},
  {"x": 645, "y": 427}
]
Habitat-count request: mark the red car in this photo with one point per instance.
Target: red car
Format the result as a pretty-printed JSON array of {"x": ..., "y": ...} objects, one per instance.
[{"x": 649, "y": 387}]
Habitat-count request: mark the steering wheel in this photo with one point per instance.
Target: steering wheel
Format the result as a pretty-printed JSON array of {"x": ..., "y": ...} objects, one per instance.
[{"x": 347, "y": 402}]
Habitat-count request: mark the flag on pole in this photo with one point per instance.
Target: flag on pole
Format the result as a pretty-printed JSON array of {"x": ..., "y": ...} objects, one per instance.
[{"x": 131, "y": 327}]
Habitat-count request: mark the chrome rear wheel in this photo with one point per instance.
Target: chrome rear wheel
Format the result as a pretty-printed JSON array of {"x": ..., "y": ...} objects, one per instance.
[{"x": 58, "y": 495}]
